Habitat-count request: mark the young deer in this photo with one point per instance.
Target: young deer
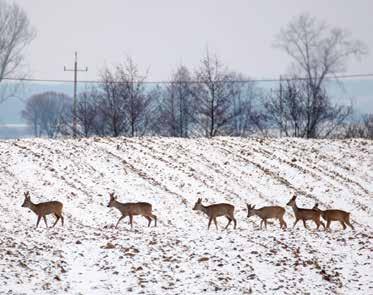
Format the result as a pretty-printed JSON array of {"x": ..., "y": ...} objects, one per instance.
[
  {"x": 305, "y": 214},
  {"x": 269, "y": 212},
  {"x": 131, "y": 209},
  {"x": 334, "y": 215},
  {"x": 217, "y": 210},
  {"x": 43, "y": 209}
]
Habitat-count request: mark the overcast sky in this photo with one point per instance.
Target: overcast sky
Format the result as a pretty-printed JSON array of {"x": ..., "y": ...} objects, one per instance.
[{"x": 162, "y": 34}]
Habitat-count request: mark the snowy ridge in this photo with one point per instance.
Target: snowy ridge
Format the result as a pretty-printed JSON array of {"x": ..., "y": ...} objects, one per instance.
[{"x": 89, "y": 256}]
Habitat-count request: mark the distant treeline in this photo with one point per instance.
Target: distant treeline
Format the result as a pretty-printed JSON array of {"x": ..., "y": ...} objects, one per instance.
[{"x": 212, "y": 100}]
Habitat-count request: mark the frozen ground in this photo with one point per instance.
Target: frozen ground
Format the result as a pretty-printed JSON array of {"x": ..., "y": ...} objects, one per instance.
[{"x": 89, "y": 256}]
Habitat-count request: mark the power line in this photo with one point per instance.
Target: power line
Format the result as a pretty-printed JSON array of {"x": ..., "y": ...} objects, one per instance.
[{"x": 336, "y": 77}]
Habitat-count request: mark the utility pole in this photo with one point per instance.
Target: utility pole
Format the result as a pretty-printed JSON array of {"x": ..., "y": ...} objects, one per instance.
[{"x": 75, "y": 70}]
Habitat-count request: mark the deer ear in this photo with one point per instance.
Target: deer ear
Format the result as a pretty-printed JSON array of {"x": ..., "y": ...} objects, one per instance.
[{"x": 253, "y": 207}]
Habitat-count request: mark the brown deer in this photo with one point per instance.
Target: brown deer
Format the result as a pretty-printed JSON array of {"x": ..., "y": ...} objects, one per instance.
[
  {"x": 44, "y": 209},
  {"x": 217, "y": 210},
  {"x": 268, "y": 212},
  {"x": 305, "y": 214},
  {"x": 334, "y": 215},
  {"x": 131, "y": 209}
]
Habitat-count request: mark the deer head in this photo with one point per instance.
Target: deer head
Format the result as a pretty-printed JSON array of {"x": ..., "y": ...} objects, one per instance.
[
  {"x": 27, "y": 201},
  {"x": 112, "y": 200},
  {"x": 250, "y": 210},
  {"x": 198, "y": 204},
  {"x": 292, "y": 201}
]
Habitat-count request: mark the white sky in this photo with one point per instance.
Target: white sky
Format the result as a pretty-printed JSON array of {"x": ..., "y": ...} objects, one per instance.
[{"x": 161, "y": 34}]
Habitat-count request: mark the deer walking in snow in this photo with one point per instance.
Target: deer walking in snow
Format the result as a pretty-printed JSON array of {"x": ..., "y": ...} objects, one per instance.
[
  {"x": 132, "y": 209},
  {"x": 305, "y": 214},
  {"x": 268, "y": 212},
  {"x": 44, "y": 209},
  {"x": 334, "y": 215},
  {"x": 216, "y": 210}
]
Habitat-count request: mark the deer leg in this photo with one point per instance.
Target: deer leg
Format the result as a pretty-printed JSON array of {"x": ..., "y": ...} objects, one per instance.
[
  {"x": 317, "y": 223},
  {"x": 344, "y": 226},
  {"x": 265, "y": 223},
  {"x": 45, "y": 221},
  {"x": 62, "y": 219},
  {"x": 229, "y": 222},
  {"x": 261, "y": 223},
  {"x": 235, "y": 222},
  {"x": 37, "y": 222},
  {"x": 120, "y": 218},
  {"x": 149, "y": 219},
  {"x": 216, "y": 225},
  {"x": 208, "y": 227},
  {"x": 131, "y": 221},
  {"x": 328, "y": 225},
  {"x": 304, "y": 223},
  {"x": 155, "y": 219},
  {"x": 349, "y": 224},
  {"x": 57, "y": 218}
]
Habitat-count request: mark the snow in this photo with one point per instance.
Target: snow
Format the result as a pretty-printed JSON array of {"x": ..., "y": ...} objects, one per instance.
[{"x": 179, "y": 256}]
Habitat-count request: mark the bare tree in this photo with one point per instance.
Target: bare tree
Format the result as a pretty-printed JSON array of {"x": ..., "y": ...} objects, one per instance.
[
  {"x": 87, "y": 111},
  {"x": 124, "y": 101},
  {"x": 288, "y": 109},
  {"x": 213, "y": 96},
  {"x": 362, "y": 128},
  {"x": 246, "y": 118},
  {"x": 368, "y": 124},
  {"x": 15, "y": 34},
  {"x": 47, "y": 113},
  {"x": 176, "y": 107},
  {"x": 112, "y": 106},
  {"x": 317, "y": 50},
  {"x": 135, "y": 98}
]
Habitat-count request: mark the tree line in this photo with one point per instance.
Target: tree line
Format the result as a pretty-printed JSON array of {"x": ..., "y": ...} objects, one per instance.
[
  {"x": 211, "y": 100},
  {"x": 208, "y": 102}
]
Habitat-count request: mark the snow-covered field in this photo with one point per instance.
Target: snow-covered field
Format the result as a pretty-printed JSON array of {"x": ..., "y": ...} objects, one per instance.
[{"x": 89, "y": 256}]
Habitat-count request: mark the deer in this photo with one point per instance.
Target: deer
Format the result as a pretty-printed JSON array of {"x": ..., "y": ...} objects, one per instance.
[
  {"x": 334, "y": 215},
  {"x": 132, "y": 209},
  {"x": 44, "y": 209},
  {"x": 305, "y": 214},
  {"x": 217, "y": 210},
  {"x": 268, "y": 212}
]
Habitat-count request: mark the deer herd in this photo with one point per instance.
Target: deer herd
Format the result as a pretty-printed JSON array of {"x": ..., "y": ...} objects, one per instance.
[{"x": 212, "y": 211}]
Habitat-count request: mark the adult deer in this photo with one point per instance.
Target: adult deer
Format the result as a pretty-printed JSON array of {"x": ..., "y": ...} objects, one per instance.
[
  {"x": 216, "y": 210},
  {"x": 334, "y": 215},
  {"x": 268, "y": 212},
  {"x": 132, "y": 209},
  {"x": 305, "y": 214},
  {"x": 44, "y": 209}
]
